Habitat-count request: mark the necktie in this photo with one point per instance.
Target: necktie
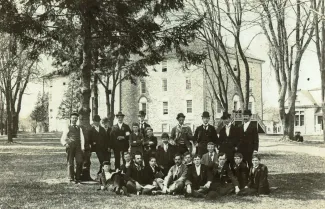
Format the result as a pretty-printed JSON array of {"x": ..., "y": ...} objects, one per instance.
[{"x": 211, "y": 157}]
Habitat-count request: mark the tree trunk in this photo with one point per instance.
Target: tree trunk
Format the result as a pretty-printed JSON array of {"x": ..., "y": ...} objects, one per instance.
[
  {"x": 288, "y": 123},
  {"x": 112, "y": 115},
  {"x": 95, "y": 107},
  {"x": 108, "y": 104},
  {"x": 323, "y": 100},
  {"x": 15, "y": 121},
  {"x": 86, "y": 68},
  {"x": 9, "y": 124},
  {"x": 1, "y": 113}
]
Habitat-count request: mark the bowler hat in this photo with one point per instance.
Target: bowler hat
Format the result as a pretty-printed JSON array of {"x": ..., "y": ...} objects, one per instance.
[
  {"x": 135, "y": 124},
  {"x": 180, "y": 115},
  {"x": 142, "y": 113},
  {"x": 205, "y": 114},
  {"x": 120, "y": 114},
  {"x": 247, "y": 112},
  {"x": 105, "y": 120},
  {"x": 96, "y": 118},
  {"x": 74, "y": 113},
  {"x": 149, "y": 128},
  {"x": 225, "y": 115}
]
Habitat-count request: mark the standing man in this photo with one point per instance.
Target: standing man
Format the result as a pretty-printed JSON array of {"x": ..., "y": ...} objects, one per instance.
[
  {"x": 108, "y": 140},
  {"x": 204, "y": 134},
  {"x": 249, "y": 141},
  {"x": 165, "y": 154},
  {"x": 98, "y": 141},
  {"x": 120, "y": 136},
  {"x": 228, "y": 137},
  {"x": 74, "y": 141},
  {"x": 142, "y": 124},
  {"x": 181, "y": 135}
]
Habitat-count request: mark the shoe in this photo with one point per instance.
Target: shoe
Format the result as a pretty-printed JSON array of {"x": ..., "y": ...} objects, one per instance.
[
  {"x": 157, "y": 192},
  {"x": 71, "y": 180},
  {"x": 138, "y": 193},
  {"x": 77, "y": 182}
]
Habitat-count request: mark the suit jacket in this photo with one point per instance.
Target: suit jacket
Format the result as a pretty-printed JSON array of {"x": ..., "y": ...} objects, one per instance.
[
  {"x": 249, "y": 140},
  {"x": 125, "y": 131},
  {"x": 224, "y": 175},
  {"x": 183, "y": 134},
  {"x": 123, "y": 167},
  {"x": 150, "y": 147},
  {"x": 150, "y": 174},
  {"x": 203, "y": 136},
  {"x": 98, "y": 140},
  {"x": 108, "y": 137},
  {"x": 258, "y": 179},
  {"x": 165, "y": 159},
  {"x": 207, "y": 162},
  {"x": 241, "y": 173},
  {"x": 143, "y": 130},
  {"x": 136, "y": 142},
  {"x": 136, "y": 175},
  {"x": 196, "y": 181},
  {"x": 227, "y": 144},
  {"x": 172, "y": 176}
]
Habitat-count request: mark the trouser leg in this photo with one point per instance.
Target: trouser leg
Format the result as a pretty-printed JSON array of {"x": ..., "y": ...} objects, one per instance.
[
  {"x": 117, "y": 156},
  {"x": 176, "y": 187},
  {"x": 79, "y": 161},
  {"x": 101, "y": 158},
  {"x": 247, "y": 191},
  {"x": 131, "y": 187},
  {"x": 70, "y": 161}
]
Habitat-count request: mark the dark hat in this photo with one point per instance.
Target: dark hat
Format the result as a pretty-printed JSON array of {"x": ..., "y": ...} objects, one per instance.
[
  {"x": 105, "y": 120},
  {"x": 135, "y": 124},
  {"x": 96, "y": 118},
  {"x": 165, "y": 135},
  {"x": 225, "y": 115},
  {"x": 149, "y": 128},
  {"x": 205, "y": 114},
  {"x": 119, "y": 114},
  {"x": 180, "y": 115},
  {"x": 142, "y": 113},
  {"x": 247, "y": 112},
  {"x": 106, "y": 163},
  {"x": 74, "y": 113}
]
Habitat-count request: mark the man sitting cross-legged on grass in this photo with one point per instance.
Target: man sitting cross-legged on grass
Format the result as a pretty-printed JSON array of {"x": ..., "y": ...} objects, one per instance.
[
  {"x": 224, "y": 182},
  {"x": 154, "y": 176},
  {"x": 240, "y": 170},
  {"x": 112, "y": 181},
  {"x": 165, "y": 154},
  {"x": 198, "y": 179},
  {"x": 135, "y": 175},
  {"x": 258, "y": 183},
  {"x": 175, "y": 180}
]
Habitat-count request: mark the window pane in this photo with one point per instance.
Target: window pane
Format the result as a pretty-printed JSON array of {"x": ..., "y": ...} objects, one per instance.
[
  {"x": 164, "y": 84},
  {"x": 143, "y": 87},
  {"x": 320, "y": 119},
  {"x": 165, "y": 108},
  {"x": 302, "y": 120},
  {"x": 235, "y": 105},
  {"x": 144, "y": 107},
  {"x": 189, "y": 106},
  {"x": 250, "y": 105},
  {"x": 164, "y": 66},
  {"x": 188, "y": 83},
  {"x": 218, "y": 108},
  {"x": 165, "y": 128},
  {"x": 297, "y": 120}
]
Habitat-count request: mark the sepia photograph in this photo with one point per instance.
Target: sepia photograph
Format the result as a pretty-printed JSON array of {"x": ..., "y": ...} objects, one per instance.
[{"x": 162, "y": 104}]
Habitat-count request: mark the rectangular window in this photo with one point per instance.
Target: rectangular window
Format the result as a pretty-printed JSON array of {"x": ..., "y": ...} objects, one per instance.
[
  {"x": 189, "y": 106},
  {"x": 300, "y": 118},
  {"x": 144, "y": 107},
  {"x": 250, "y": 105},
  {"x": 165, "y": 108},
  {"x": 164, "y": 84},
  {"x": 143, "y": 87},
  {"x": 319, "y": 119},
  {"x": 188, "y": 83},
  {"x": 235, "y": 105},
  {"x": 164, "y": 128},
  {"x": 164, "y": 66}
]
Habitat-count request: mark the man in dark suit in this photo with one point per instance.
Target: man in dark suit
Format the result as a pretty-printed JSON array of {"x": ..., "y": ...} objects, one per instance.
[
  {"x": 240, "y": 170},
  {"x": 135, "y": 175},
  {"x": 165, "y": 154},
  {"x": 108, "y": 129},
  {"x": 224, "y": 182},
  {"x": 142, "y": 124},
  {"x": 210, "y": 158},
  {"x": 120, "y": 136},
  {"x": 181, "y": 135},
  {"x": 199, "y": 178},
  {"x": 149, "y": 144},
  {"x": 249, "y": 140},
  {"x": 204, "y": 134},
  {"x": 98, "y": 141},
  {"x": 228, "y": 137},
  {"x": 258, "y": 179}
]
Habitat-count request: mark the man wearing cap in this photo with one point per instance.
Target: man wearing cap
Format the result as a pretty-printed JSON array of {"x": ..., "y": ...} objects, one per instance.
[
  {"x": 120, "y": 136},
  {"x": 228, "y": 137},
  {"x": 249, "y": 140},
  {"x": 204, "y": 134},
  {"x": 98, "y": 141},
  {"x": 181, "y": 135},
  {"x": 74, "y": 141},
  {"x": 142, "y": 124}
]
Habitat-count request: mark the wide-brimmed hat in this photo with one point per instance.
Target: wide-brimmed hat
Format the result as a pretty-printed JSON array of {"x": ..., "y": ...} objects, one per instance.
[
  {"x": 205, "y": 114},
  {"x": 96, "y": 118},
  {"x": 225, "y": 115},
  {"x": 247, "y": 112},
  {"x": 142, "y": 113},
  {"x": 74, "y": 113},
  {"x": 180, "y": 115},
  {"x": 119, "y": 114}
]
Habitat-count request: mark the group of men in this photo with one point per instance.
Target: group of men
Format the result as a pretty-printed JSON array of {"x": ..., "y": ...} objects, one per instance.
[{"x": 221, "y": 164}]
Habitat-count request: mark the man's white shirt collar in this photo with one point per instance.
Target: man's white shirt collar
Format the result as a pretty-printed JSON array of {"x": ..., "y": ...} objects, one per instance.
[
  {"x": 198, "y": 169},
  {"x": 120, "y": 125},
  {"x": 246, "y": 125}
]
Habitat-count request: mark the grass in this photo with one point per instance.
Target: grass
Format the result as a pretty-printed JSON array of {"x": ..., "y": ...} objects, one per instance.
[{"x": 33, "y": 175}]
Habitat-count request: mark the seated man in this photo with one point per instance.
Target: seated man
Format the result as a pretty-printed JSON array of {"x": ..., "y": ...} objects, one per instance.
[
  {"x": 298, "y": 137},
  {"x": 240, "y": 170},
  {"x": 210, "y": 159},
  {"x": 198, "y": 179},
  {"x": 135, "y": 175},
  {"x": 110, "y": 180},
  {"x": 188, "y": 159},
  {"x": 128, "y": 162},
  {"x": 224, "y": 181},
  {"x": 154, "y": 176},
  {"x": 165, "y": 154},
  {"x": 175, "y": 180},
  {"x": 258, "y": 183}
]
